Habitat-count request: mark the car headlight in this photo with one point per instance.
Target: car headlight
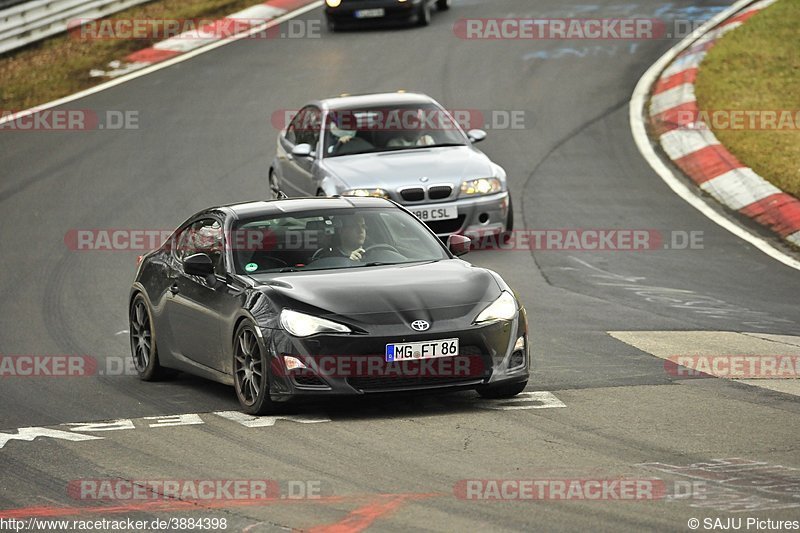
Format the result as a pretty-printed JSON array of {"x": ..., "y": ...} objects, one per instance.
[
  {"x": 504, "y": 308},
  {"x": 481, "y": 186},
  {"x": 303, "y": 325},
  {"x": 379, "y": 193},
  {"x": 333, "y": 3}
]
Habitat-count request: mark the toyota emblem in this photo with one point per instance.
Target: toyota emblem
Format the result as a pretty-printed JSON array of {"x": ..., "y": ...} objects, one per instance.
[{"x": 420, "y": 325}]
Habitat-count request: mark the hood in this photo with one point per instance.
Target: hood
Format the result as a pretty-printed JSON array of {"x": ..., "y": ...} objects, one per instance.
[
  {"x": 445, "y": 290},
  {"x": 389, "y": 170}
]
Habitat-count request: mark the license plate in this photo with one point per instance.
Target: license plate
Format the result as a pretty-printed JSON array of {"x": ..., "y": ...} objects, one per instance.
[
  {"x": 370, "y": 13},
  {"x": 427, "y": 214},
  {"x": 421, "y": 350}
]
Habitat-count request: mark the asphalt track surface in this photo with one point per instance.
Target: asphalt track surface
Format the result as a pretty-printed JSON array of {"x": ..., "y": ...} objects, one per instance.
[{"x": 205, "y": 137}]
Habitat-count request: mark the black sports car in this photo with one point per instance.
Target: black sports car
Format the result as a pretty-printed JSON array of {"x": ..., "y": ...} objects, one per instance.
[
  {"x": 341, "y": 13},
  {"x": 324, "y": 296}
]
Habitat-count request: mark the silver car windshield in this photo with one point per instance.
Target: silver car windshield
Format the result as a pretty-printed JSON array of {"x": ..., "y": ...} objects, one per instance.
[
  {"x": 348, "y": 238},
  {"x": 389, "y": 128}
]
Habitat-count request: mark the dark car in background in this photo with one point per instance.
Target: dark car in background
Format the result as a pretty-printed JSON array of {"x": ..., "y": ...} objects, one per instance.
[
  {"x": 350, "y": 13},
  {"x": 309, "y": 297}
]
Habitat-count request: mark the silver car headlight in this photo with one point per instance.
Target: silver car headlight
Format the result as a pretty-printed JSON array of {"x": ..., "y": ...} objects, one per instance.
[
  {"x": 303, "y": 325},
  {"x": 481, "y": 186},
  {"x": 504, "y": 308},
  {"x": 333, "y": 3},
  {"x": 378, "y": 193}
]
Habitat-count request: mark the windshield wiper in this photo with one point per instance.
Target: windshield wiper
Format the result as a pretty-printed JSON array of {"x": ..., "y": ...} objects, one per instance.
[{"x": 438, "y": 145}]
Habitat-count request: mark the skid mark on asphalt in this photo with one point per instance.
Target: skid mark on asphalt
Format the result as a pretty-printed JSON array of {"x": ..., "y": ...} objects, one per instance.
[{"x": 680, "y": 299}]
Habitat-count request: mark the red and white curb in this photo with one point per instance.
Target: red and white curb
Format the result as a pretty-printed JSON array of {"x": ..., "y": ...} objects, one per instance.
[
  {"x": 246, "y": 19},
  {"x": 691, "y": 145}
]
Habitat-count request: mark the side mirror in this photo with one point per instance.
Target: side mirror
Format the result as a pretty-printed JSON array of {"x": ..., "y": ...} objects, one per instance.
[
  {"x": 198, "y": 265},
  {"x": 458, "y": 244},
  {"x": 302, "y": 150},
  {"x": 476, "y": 136}
]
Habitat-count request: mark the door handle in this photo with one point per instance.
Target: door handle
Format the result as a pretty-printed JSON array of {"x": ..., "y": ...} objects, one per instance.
[{"x": 174, "y": 288}]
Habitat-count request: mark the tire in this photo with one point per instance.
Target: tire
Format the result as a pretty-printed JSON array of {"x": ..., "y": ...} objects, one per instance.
[
  {"x": 251, "y": 372},
  {"x": 143, "y": 342},
  {"x": 506, "y": 235},
  {"x": 494, "y": 392},
  {"x": 273, "y": 185},
  {"x": 332, "y": 27},
  {"x": 424, "y": 14},
  {"x": 442, "y": 5}
]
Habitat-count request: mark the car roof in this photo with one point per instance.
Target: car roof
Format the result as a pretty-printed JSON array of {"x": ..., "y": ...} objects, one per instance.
[
  {"x": 294, "y": 205},
  {"x": 372, "y": 100}
]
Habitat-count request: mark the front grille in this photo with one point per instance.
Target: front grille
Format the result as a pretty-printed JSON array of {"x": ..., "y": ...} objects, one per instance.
[
  {"x": 468, "y": 374},
  {"x": 438, "y": 192},
  {"x": 447, "y": 226},
  {"x": 381, "y": 383},
  {"x": 415, "y": 194}
]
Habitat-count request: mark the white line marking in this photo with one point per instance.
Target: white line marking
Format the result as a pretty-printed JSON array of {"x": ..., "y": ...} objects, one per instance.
[
  {"x": 161, "y": 65},
  {"x": 525, "y": 400},
  {"x": 637, "y": 110},
  {"x": 268, "y": 421}
]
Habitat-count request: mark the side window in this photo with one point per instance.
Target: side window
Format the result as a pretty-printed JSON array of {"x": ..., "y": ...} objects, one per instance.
[
  {"x": 294, "y": 127},
  {"x": 204, "y": 236},
  {"x": 307, "y": 127}
]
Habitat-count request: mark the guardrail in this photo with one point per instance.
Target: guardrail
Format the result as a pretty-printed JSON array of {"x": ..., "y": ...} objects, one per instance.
[{"x": 32, "y": 21}]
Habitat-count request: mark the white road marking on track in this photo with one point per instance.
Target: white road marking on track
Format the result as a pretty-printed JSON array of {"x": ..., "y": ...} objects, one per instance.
[
  {"x": 525, "y": 400},
  {"x": 122, "y": 332},
  {"x": 268, "y": 421},
  {"x": 637, "y": 122},
  {"x": 76, "y": 430},
  {"x": 696, "y": 351}
]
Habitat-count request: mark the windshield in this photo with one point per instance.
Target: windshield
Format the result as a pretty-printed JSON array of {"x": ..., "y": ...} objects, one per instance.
[
  {"x": 346, "y": 238},
  {"x": 385, "y": 129}
]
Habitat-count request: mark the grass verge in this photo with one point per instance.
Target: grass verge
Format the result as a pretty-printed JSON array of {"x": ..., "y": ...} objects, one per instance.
[
  {"x": 60, "y": 65},
  {"x": 757, "y": 67}
]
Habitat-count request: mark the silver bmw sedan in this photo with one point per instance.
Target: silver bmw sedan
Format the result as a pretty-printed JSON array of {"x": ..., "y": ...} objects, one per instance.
[{"x": 402, "y": 146}]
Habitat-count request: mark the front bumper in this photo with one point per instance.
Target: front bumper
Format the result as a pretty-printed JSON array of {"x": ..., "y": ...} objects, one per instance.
[
  {"x": 342, "y": 365},
  {"x": 484, "y": 215},
  {"x": 347, "y": 12}
]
